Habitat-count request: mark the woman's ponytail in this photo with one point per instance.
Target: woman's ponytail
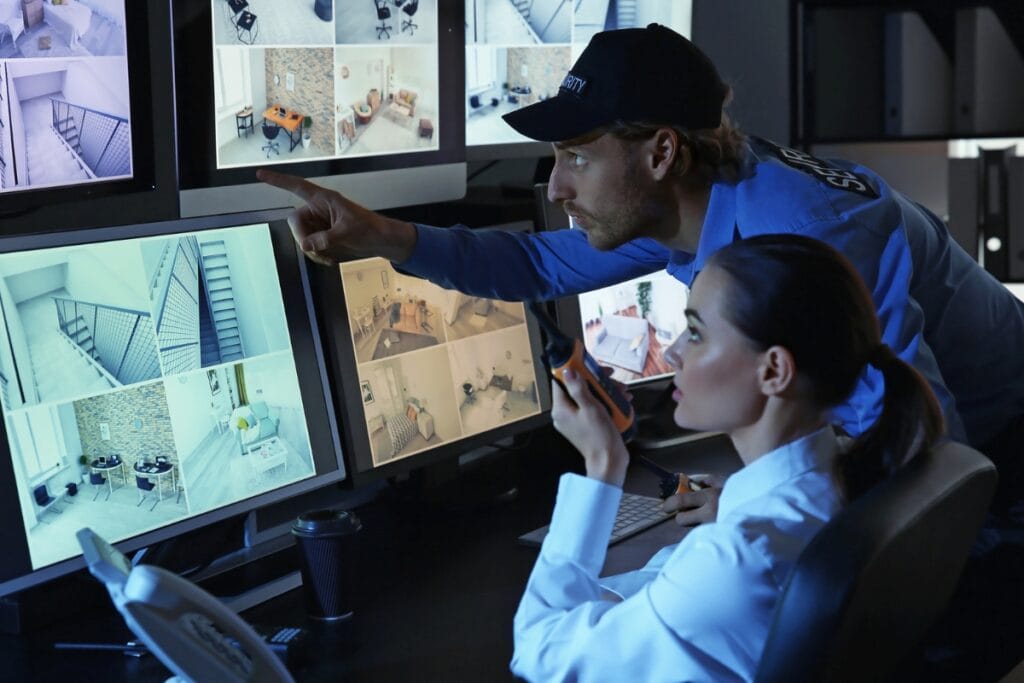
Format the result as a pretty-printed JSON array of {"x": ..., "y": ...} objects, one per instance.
[{"x": 910, "y": 422}]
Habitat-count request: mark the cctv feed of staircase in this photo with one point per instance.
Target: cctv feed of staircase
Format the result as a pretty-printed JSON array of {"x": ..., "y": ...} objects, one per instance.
[
  {"x": 65, "y": 118},
  {"x": 146, "y": 381},
  {"x": 320, "y": 80}
]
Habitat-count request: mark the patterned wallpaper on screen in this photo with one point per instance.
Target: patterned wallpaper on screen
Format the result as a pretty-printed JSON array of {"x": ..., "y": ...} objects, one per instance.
[{"x": 314, "y": 88}]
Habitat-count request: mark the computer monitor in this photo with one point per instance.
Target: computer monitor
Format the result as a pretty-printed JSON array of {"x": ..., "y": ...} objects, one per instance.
[
  {"x": 518, "y": 54},
  {"x": 155, "y": 378},
  {"x": 86, "y": 116},
  {"x": 361, "y": 97},
  {"x": 425, "y": 373}
]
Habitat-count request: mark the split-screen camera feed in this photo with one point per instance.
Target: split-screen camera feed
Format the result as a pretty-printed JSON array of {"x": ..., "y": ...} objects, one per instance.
[
  {"x": 435, "y": 365},
  {"x": 145, "y": 381},
  {"x": 66, "y": 117},
  {"x": 517, "y": 53},
  {"x": 323, "y": 80},
  {"x": 628, "y": 326}
]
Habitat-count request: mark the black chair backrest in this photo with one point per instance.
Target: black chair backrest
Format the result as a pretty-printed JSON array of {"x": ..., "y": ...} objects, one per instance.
[
  {"x": 270, "y": 130},
  {"x": 41, "y": 494},
  {"x": 97, "y": 478},
  {"x": 383, "y": 11},
  {"x": 411, "y": 7},
  {"x": 870, "y": 583},
  {"x": 143, "y": 483}
]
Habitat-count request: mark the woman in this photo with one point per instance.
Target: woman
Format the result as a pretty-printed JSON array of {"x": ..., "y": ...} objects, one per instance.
[{"x": 780, "y": 329}]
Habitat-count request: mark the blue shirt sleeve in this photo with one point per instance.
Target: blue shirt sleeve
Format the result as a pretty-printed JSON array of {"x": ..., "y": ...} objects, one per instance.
[{"x": 516, "y": 266}]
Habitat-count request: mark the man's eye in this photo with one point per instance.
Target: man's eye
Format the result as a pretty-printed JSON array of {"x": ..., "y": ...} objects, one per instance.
[{"x": 577, "y": 160}]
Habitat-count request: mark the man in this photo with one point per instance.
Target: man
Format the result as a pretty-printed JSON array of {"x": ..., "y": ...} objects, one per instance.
[{"x": 655, "y": 176}]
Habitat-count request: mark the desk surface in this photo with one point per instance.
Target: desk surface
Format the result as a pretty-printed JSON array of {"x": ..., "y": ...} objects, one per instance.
[{"x": 437, "y": 584}]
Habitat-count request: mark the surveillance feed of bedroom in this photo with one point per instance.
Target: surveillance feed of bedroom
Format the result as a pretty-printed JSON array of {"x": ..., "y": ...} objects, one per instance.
[
  {"x": 435, "y": 365},
  {"x": 146, "y": 381},
  {"x": 64, "y": 86}
]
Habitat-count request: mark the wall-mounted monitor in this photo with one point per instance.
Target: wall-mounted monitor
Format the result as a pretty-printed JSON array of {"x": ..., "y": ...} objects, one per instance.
[
  {"x": 518, "y": 54},
  {"x": 154, "y": 378},
  {"x": 86, "y": 123},
  {"x": 363, "y": 97},
  {"x": 423, "y": 372}
]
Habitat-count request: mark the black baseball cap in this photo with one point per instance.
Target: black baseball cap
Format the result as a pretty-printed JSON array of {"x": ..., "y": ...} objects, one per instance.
[{"x": 645, "y": 75}]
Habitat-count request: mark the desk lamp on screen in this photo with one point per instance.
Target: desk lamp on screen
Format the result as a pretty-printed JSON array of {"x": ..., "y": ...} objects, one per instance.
[
  {"x": 427, "y": 373},
  {"x": 364, "y": 98},
  {"x": 518, "y": 54},
  {"x": 156, "y": 378}
]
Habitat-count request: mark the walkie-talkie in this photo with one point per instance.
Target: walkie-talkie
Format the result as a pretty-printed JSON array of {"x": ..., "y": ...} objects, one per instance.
[{"x": 562, "y": 352}]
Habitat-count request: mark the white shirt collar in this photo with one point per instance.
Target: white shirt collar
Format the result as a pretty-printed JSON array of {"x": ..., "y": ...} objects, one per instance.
[{"x": 814, "y": 451}]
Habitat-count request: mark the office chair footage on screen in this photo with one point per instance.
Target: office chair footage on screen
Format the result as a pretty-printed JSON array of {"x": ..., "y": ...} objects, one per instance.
[
  {"x": 383, "y": 14},
  {"x": 270, "y": 132},
  {"x": 865, "y": 590},
  {"x": 410, "y": 9}
]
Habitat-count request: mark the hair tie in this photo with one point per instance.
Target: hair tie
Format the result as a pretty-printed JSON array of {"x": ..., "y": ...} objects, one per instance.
[{"x": 880, "y": 356}]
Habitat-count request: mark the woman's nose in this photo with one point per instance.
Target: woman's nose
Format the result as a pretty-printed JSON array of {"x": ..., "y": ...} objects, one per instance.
[{"x": 674, "y": 353}]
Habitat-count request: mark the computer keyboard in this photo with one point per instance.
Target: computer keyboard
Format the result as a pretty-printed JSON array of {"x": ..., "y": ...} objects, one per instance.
[{"x": 635, "y": 514}]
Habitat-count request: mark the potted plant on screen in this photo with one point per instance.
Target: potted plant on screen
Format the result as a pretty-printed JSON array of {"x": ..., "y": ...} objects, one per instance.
[
  {"x": 83, "y": 460},
  {"x": 307, "y": 123}
]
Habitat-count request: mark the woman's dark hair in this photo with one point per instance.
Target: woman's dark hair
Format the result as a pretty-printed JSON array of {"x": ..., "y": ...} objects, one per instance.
[{"x": 802, "y": 294}]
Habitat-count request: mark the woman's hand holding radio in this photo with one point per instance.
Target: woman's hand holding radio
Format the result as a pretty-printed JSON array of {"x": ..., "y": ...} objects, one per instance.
[{"x": 585, "y": 422}]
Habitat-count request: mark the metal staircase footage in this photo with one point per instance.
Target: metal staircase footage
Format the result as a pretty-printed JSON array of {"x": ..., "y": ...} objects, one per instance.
[
  {"x": 626, "y": 14},
  {"x": 523, "y": 7},
  {"x": 221, "y": 298},
  {"x": 100, "y": 141},
  {"x": 99, "y": 346},
  {"x": 197, "y": 322}
]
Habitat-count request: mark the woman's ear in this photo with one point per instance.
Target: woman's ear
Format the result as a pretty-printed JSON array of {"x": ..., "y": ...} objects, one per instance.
[{"x": 777, "y": 371}]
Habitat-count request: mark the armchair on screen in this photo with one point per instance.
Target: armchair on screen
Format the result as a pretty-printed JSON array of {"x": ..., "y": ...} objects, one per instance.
[
  {"x": 383, "y": 14},
  {"x": 253, "y": 424},
  {"x": 867, "y": 587}
]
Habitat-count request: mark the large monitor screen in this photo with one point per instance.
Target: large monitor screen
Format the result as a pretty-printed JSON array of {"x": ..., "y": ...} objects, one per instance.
[
  {"x": 517, "y": 53},
  {"x": 319, "y": 88},
  {"x": 81, "y": 103},
  {"x": 426, "y": 371},
  {"x": 154, "y": 378}
]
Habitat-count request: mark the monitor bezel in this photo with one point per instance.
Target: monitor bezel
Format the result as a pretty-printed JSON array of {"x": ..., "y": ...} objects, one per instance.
[
  {"x": 337, "y": 330},
  {"x": 193, "y": 68},
  {"x": 151, "y": 192},
  {"x": 306, "y": 347}
]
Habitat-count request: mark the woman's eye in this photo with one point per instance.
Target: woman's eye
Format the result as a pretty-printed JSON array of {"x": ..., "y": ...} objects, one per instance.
[{"x": 692, "y": 335}]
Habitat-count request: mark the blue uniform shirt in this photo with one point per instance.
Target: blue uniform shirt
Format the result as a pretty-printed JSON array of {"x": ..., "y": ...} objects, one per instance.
[
  {"x": 939, "y": 310},
  {"x": 701, "y": 610}
]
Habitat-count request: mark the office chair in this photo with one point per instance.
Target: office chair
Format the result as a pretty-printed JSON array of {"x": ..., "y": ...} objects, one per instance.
[
  {"x": 270, "y": 132},
  {"x": 144, "y": 484},
  {"x": 98, "y": 480},
  {"x": 383, "y": 13},
  {"x": 410, "y": 9},
  {"x": 866, "y": 588}
]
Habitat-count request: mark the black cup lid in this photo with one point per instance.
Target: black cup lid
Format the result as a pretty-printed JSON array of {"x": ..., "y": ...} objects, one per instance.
[{"x": 326, "y": 523}]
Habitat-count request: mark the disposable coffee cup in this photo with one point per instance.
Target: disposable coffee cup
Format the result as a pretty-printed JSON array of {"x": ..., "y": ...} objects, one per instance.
[{"x": 326, "y": 541}]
